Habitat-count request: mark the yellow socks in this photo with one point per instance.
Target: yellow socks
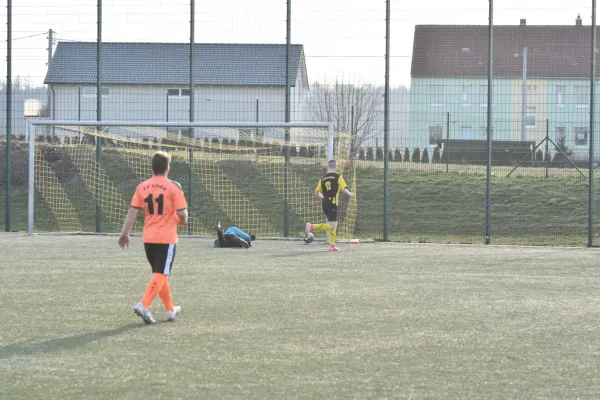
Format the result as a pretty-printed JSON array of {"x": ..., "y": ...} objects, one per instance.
[
  {"x": 322, "y": 227},
  {"x": 332, "y": 236}
]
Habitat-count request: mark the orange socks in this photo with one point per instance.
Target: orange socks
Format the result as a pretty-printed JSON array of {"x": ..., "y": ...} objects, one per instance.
[
  {"x": 165, "y": 296},
  {"x": 154, "y": 288}
]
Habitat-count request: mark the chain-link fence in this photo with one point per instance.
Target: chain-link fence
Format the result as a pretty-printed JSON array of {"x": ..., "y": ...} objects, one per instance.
[{"x": 435, "y": 155}]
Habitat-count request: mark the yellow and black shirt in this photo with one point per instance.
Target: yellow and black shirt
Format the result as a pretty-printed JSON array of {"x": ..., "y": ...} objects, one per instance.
[{"x": 331, "y": 184}]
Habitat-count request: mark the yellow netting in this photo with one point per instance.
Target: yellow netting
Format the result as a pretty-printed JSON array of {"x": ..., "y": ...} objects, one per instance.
[{"x": 227, "y": 175}]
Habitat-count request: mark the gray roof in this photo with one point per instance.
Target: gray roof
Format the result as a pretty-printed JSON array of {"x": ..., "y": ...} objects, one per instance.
[{"x": 168, "y": 64}]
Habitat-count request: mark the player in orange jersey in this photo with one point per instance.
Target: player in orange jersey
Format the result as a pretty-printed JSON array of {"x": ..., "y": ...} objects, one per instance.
[{"x": 164, "y": 208}]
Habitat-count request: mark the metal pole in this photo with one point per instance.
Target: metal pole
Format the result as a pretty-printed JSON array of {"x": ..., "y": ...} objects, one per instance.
[
  {"x": 524, "y": 97},
  {"x": 286, "y": 207},
  {"x": 192, "y": 55},
  {"x": 31, "y": 178},
  {"x": 447, "y": 148},
  {"x": 192, "y": 75},
  {"x": 50, "y": 45},
  {"x": 8, "y": 110},
  {"x": 488, "y": 192},
  {"x": 547, "y": 154},
  {"x": 592, "y": 112},
  {"x": 257, "y": 117},
  {"x": 98, "y": 114},
  {"x": 386, "y": 120}
]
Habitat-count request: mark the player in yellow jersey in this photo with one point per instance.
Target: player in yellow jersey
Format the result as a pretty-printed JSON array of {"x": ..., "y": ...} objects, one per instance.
[
  {"x": 328, "y": 190},
  {"x": 164, "y": 208}
]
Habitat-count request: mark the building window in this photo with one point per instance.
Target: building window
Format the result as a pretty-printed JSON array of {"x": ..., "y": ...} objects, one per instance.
[
  {"x": 90, "y": 92},
  {"x": 437, "y": 95},
  {"x": 466, "y": 95},
  {"x": 483, "y": 93},
  {"x": 435, "y": 134},
  {"x": 580, "y": 135},
  {"x": 465, "y": 49},
  {"x": 530, "y": 117},
  {"x": 560, "y": 95},
  {"x": 582, "y": 97},
  {"x": 466, "y": 133},
  {"x": 178, "y": 92}
]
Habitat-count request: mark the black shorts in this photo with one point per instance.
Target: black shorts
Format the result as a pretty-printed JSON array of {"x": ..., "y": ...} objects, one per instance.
[
  {"x": 330, "y": 211},
  {"x": 160, "y": 256}
]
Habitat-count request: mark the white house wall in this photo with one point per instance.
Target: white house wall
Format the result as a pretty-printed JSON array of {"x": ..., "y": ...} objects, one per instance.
[{"x": 151, "y": 103}]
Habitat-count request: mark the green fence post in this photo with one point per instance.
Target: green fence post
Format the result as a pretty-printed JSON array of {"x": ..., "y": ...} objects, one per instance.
[
  {"x": 8, "y": 111},
  {"x": 590, "y": 240}
]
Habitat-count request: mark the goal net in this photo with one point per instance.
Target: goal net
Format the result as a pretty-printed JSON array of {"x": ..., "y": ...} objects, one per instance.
[{"x": 83, "y": 176}]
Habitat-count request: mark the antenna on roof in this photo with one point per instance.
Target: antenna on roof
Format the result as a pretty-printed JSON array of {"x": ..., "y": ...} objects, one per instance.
[{"x": 578, "y": 21}]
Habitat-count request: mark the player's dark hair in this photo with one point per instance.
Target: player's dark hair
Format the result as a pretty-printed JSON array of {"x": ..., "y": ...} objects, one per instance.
[
  {"x": 331, "y": 164},
  {"x": 160, "y": 162}
]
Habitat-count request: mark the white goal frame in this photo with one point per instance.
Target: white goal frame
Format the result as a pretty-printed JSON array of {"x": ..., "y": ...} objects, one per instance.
[{"x": 32, "y": 123}]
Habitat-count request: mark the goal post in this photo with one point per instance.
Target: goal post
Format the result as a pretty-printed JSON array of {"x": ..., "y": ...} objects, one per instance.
[{"x": 83, "y": 171}]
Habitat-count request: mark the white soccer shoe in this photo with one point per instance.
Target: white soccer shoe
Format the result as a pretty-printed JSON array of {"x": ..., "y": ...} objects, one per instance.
[
  {"x": 144, "y": 313},
  {"x": 171, "y": 315}
]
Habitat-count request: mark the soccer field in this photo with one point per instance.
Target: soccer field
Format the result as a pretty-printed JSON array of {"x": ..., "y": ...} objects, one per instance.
[{"x": 287, "y": 320}]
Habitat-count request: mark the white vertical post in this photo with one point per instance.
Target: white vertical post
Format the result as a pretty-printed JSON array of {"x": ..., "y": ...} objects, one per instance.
[
  {"x": 30, "y": 133},
  {"x": 330, "y": 142},
  {"x": 330, "y": 156}
]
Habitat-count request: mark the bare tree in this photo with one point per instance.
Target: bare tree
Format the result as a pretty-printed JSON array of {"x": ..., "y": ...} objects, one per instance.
[{"x": 353, "y": 108}]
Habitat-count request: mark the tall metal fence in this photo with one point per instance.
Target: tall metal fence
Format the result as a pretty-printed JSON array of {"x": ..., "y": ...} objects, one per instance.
[{"x": 470, "y": 122}]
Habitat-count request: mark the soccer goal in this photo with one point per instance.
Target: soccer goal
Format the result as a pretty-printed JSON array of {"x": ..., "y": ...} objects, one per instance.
[{"x": 257, "y": 176}]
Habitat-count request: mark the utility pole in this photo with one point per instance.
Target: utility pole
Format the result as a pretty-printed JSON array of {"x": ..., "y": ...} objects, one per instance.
[{"x": 50, "y": 49}]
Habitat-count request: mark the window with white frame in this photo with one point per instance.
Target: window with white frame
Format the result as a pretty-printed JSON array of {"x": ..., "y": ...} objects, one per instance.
[
  {"x": 582, "y": 97},
  {"x": 561, "y": 91},
  {"x": 466, "y": 95},
  {"x": 437, "y": 95},
  {"x": 90, "y": 92},
  {"x": 580, "y": 135},
  {"x": 178, "y": 92},
  {"x": 530, "y": 117},
  {"x": 435, "y": 134}
]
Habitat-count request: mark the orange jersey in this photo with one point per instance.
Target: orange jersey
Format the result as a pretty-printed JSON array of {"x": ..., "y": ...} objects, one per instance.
[{"x": 160, "y": 198}]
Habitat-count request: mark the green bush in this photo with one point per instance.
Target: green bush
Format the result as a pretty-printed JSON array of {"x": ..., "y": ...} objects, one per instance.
[
  {"x": 416, "y": 156},
  {"x": 398, "y": 156},
  {"x": 361, "y": 154},
  {"x": 425, "y": 156},
  {"x": 436, "y": 155}
]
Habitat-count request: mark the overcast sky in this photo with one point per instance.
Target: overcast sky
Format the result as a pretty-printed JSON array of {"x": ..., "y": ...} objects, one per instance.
[{"x": 341, "y": 37}]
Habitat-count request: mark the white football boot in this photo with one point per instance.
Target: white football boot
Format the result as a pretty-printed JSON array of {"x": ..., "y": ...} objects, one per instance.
[
  {"x": 171, "y": 315},
  {"x": 144, "y": 314}
]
